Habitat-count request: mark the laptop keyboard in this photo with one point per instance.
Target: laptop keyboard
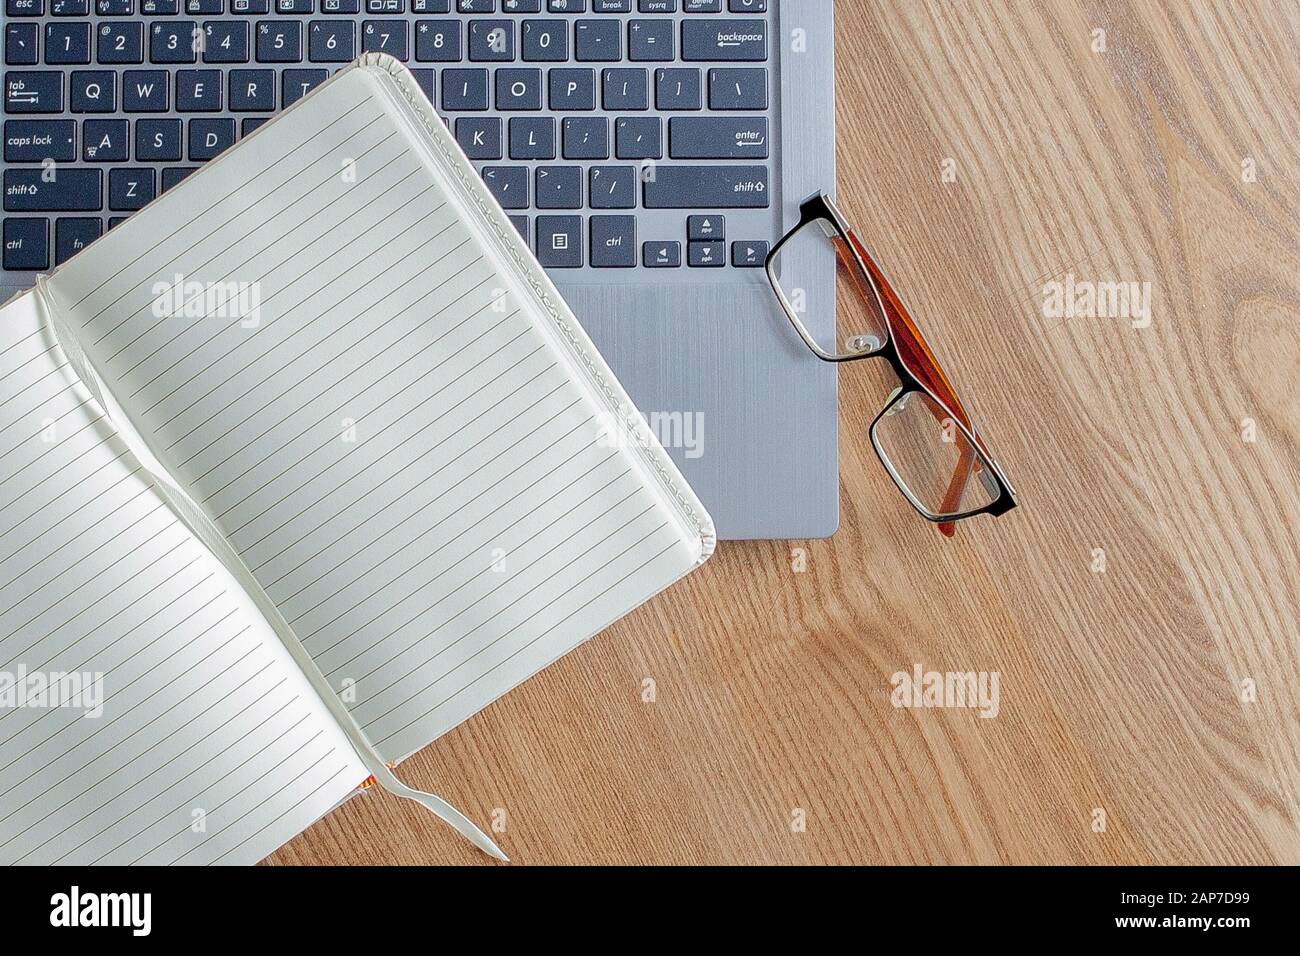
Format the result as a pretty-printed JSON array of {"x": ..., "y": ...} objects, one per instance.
[{"x": 618, "y": 134}]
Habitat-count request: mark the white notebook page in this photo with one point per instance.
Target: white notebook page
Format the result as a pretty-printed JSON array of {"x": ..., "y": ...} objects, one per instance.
[
  {"x": 396, "y": 449},
  {"x": 211, "y": 746}
]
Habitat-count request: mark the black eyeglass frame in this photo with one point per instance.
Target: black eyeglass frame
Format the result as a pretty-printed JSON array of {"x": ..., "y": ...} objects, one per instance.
[{"x": 821, "y": 210}]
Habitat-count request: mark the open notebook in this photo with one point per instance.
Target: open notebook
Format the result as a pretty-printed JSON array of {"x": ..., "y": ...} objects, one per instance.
[{"x": 309, "y": 460}]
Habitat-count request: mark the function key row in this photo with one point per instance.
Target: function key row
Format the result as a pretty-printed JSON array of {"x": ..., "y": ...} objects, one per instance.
[{"x": 114, "y": 8}]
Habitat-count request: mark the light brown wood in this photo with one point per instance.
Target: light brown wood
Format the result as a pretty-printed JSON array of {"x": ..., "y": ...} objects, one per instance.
[{"x": 1171, "y": 157}]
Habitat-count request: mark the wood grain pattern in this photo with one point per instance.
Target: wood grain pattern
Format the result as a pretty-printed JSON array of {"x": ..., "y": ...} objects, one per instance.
[{"x": 1120, "y": 690}]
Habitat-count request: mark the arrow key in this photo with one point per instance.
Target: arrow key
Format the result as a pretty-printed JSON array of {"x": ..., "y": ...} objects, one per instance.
[
  {"x": 661, "y": 255},
  {"x": 748, "y": 255}
]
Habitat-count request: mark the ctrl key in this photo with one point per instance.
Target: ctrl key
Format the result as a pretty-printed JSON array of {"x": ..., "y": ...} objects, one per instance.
[{"x": 26, "y": 244}]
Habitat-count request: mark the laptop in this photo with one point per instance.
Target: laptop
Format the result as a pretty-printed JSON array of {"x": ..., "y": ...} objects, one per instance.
[{"x": 650, "y": 151}]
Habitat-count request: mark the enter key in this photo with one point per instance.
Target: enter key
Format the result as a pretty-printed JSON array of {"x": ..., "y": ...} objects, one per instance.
[{"x": 717, "y": 137}]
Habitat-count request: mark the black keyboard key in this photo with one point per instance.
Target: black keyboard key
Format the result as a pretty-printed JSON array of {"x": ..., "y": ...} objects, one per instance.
[
  {"x": 171, "y": 175},
  {"x": 209, "y": 137},
  {"x": 710, "y": 39},
  {"x": 656, "y": 6},
  {"x": 264, "y": 6},
  {"x": 559, "y": 241},
  {"x": 480, "y": 136},
  {"x": 519, "y": 89},
  {"x": 130, "y": 189},
  {"x": 289, "y": 7},
  {"x": 624, "y": 89},
  {"x": 586, "y": 137},
  {"x": 701, "y": 6},
  {"x": 295, "y": 84},
  {"x": 566, "y": 6},
  {"x": 120, "y": 43},
  {"x": 331, "y": 41},
  {"x": 105, "y": 141},
  {"x": 598, "y": 41},
  {"x": 521, "y": 6},
  {"x": 20, "y": 44},
  {"x": 386, "y": 36},
  {"x": 70, "y": 8},
  {"x": 67, "y": 43},
  {"x": 464, "y": 89},
  {"x": 611, "y": 6},
  {"x": 251, "y": 123},
  {"x": 116, "y": 221},
  {"x": 92, "y": 91},
  {"x": 226, "y": 41},
  {"x": 385, "y": 6},
  {"x": 424, "y": 78},
  {"x": 572, "y": 89},
  {"x": 509, "y": 184},
  {"x": 613, "y": 242},
  {"x": 717, "y": 137},
  {"x": 158, "y": 140},
  {"x": 532, "y": 137},
  {"x": 747, "y": 6},
  {"x": 198, "y": 91},
  {"x": 521, "y": 225},
  {"x": 175, "y": 41},
  {"x": 492, "y": 40},
  {"x": 115, "y": 8},
  {"x": 706, "y": 228},
  {"x": 428, "y": 6},
  {"x": 612, "y": 187},
  {"x": 144, "y": 91},
  {"x": 26, "y": 243},
  {"x": 74, "y": 190},
  {"x": 72, "y": 234},
  {"x": 476, "y": 6},
  {"x": 706, "y": 254},
  {"x": 544, "y": 41},
  {"x": 707, "y": 187},
  {"x": 638, "y": 137},
  {"x": 160, "y": 8},
  {"x": 279, "y": 41},
  {"x": 558, "y": 187},
  {"x": 661, "y": 255},
  {"x": 24, "y": 8},
  {"x": 748, "y": 255},
  {"x": 678, "y": 88},
  {"x": 34, "y": 141},
  {"x": 649, "y": 41},
  {"x": 251, "y": 91},
  {"x": 437, "y": 41},
  {"x": 741, "y": 88},
  {"x": 205, "y": 7},
  {"x": 27, "y": 91}
]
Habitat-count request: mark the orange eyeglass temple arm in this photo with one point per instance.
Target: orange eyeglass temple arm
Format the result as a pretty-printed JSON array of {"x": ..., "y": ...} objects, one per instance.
[{"x": 921, "y": 361}]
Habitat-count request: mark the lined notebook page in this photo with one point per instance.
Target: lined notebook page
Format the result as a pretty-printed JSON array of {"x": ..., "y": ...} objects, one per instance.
[
  {"x": 211, "y": 747},
  {"x": 398, "y": 449}
]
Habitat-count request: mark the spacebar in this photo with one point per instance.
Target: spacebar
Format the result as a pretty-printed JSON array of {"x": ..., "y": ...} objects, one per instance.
[{"x": 707, "y": 187}]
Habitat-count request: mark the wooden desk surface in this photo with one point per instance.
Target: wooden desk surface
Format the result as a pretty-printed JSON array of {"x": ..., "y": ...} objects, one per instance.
[{"x": 1171, "y": 158}]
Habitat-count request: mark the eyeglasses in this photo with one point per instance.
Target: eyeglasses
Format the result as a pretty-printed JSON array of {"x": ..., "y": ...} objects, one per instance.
[{"x": 924, "y": 437}]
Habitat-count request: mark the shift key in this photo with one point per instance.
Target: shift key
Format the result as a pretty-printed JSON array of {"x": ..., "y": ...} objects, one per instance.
[
  {"x": 708, "y": 187},
  {"x": 26, "y": 190},
  {"x": 724, "y": 40}
]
